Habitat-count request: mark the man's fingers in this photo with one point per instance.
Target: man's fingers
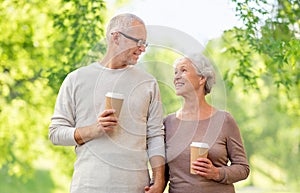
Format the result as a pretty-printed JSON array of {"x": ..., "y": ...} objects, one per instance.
[
  {"x": 107, "y": 119},
  {"x": 107, "y": 124},
  {"x": 107, "y": 112}
]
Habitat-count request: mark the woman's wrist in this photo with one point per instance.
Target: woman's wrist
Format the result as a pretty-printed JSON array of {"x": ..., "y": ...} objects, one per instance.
[{"x": 220, "y": 174}]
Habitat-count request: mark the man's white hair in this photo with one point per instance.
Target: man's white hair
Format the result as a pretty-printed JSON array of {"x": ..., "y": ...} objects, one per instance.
[{"x": 120, "y": 22}]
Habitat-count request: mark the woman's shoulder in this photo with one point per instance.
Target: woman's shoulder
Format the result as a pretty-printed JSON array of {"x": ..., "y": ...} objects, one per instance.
[
  {"x": 170, "y": 117},
  {"x": 226, "y": 114},
  {"x": 224, "y": 118},
  {"x": 228, "y": 120}
]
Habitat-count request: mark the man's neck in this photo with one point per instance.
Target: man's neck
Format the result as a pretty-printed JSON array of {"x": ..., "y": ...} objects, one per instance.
[{"x": 112, "y": 62}]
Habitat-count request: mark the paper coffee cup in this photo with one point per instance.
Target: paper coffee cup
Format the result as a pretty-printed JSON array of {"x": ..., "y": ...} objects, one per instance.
[
  {"x": 114, "y": 101},
  {"x": 198, "y": 150}
]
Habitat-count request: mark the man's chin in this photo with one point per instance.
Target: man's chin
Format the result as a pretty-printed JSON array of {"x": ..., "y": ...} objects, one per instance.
[{"x": 132, "y": 62}]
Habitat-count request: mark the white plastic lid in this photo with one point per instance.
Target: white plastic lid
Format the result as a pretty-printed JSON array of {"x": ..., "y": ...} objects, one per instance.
[
  {"x": 114, "y": 95},
  {"x": 200, "y": 144}
]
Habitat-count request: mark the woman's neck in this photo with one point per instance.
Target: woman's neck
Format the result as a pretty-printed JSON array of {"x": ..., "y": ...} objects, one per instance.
[{"x": 197, "y": 109}]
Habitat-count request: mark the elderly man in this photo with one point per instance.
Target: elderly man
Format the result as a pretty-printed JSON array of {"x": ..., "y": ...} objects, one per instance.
[{"x": 112, "y": 153}]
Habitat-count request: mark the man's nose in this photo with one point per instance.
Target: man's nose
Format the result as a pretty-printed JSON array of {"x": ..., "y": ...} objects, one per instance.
[{"x": 142, "y": 48}]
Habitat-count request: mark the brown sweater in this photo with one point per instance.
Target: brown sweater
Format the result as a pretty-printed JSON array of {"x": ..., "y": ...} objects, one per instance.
[{"x": 226, "y": 152}]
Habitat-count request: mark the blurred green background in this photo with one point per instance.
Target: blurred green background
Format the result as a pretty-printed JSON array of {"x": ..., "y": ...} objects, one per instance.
[{"x": 258, "y": 64}]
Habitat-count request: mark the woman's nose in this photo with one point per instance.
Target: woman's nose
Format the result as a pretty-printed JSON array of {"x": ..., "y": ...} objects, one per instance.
[{"x": 177, "y": 76}]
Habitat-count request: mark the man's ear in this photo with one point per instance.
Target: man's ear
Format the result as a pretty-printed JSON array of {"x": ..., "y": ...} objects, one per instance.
[{"x": 115, "y": 37}]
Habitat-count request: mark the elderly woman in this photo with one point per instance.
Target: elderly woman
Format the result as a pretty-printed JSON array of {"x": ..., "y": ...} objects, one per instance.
[{"x": 199, "y": 121}]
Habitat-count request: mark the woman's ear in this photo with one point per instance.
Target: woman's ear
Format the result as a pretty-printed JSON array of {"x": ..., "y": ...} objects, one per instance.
[{"x": 202, "y": 80}]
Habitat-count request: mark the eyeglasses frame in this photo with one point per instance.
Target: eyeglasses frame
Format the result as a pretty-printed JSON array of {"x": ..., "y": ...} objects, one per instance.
[{"x": 139, "y": 42}]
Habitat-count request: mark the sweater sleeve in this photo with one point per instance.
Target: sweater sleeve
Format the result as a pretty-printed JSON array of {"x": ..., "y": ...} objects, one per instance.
[
  {"x": 155, "y": 128},
  {"x": 62, "y": 127},
  {"x": 239, "y": 168}
]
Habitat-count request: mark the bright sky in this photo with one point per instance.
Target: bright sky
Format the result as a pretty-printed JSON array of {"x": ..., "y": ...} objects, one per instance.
[{"x": 202, "y": 19}]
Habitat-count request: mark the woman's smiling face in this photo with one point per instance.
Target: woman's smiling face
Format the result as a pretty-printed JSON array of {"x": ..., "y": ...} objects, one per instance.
[{"x": 186, "y": 78}]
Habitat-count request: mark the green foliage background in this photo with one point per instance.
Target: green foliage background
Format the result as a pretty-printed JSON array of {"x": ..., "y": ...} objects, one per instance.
[{"x": 41, "y": 41}]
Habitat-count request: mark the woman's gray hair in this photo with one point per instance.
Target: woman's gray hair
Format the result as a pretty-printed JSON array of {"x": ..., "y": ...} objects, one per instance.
[
  {"x": 120, "y": 22},
  {"x": 203, "y": 68}
]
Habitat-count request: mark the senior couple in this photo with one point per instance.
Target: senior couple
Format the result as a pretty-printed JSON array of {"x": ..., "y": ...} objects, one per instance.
[{"x": 112, "y": 153}]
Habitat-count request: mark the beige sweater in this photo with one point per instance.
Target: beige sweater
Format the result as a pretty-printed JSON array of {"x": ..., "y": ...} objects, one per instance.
[
  {"x": 116, "y": 162},
  {"x": 226, "y": 146}
]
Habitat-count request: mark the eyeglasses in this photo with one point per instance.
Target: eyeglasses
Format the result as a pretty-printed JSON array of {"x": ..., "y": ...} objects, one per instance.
[{"x": 139, "y": 42}]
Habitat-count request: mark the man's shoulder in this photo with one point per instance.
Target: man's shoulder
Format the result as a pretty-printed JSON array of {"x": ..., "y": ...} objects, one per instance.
[
  {"x": 82, "y": 69},
  {"x": 142, "y": 72}
]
